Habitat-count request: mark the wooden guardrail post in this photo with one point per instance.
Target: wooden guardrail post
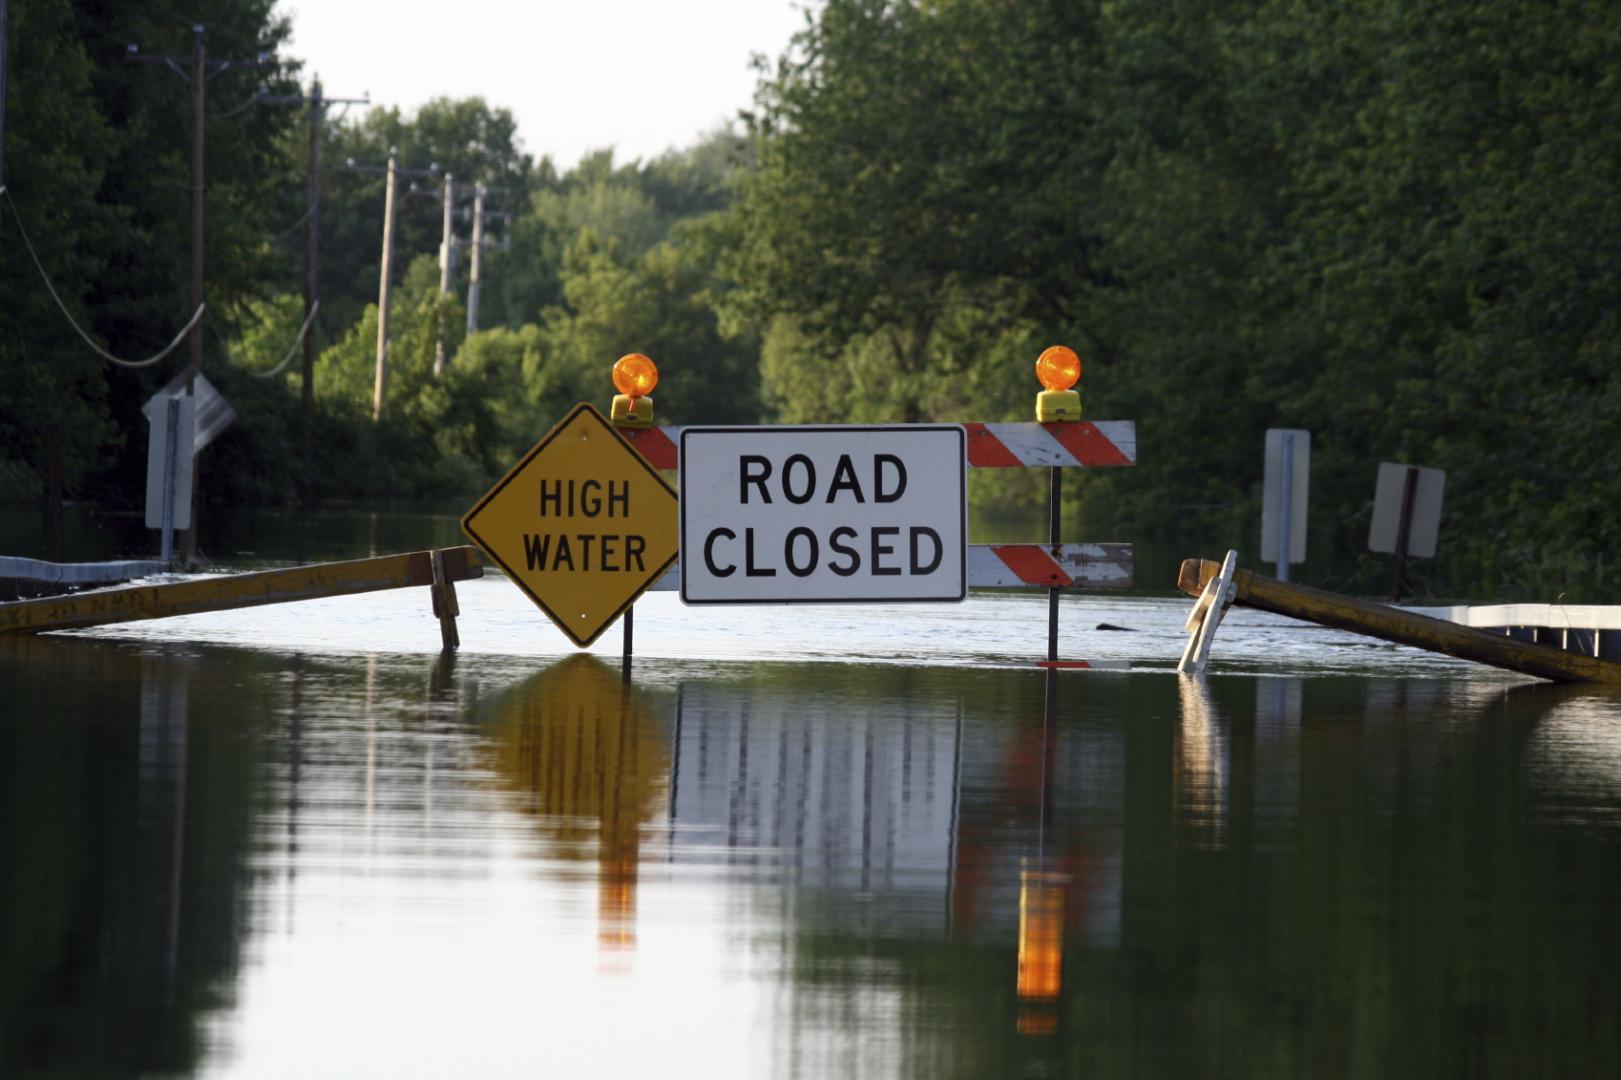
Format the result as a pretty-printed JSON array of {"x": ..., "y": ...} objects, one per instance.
[{"x": 445, "y": 608}]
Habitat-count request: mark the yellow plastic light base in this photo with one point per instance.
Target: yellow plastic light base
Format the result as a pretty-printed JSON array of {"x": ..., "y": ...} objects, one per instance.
[
  {"x": 631, "y": 412},
  {"x": 1055, "y": 405}
]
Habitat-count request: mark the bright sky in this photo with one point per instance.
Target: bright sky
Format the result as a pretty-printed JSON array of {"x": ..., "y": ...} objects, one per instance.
[{"x": 642, "y": 76}]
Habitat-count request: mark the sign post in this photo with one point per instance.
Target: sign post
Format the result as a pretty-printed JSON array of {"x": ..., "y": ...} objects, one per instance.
[
  {"x": 1406, "y": 516},
  {"x": 848, "y": 514},
  {"x": 169, "y": 451},
  {"x": 1283, "y": 499},
  {"x": 582, "y": 524}
]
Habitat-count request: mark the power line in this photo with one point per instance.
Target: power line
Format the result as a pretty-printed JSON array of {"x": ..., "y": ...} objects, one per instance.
[
  {"x": 103, "y": 353},
  {"x": 291, "y": 352}
]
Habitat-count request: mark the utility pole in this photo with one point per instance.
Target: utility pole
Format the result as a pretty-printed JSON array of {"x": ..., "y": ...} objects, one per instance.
[
  {"x": 194, "y": 292},
  {"x": 318, "y": 104},
  {"x": 447, "y": 259},
  {"x": 472, "y": 270},
  {"x": 5, "y": 18},
  {"x": 201, "y": 70},
  {"x": 382, "y": 291},
  {"x": 394, "y": 170},
  {"x": 312, "y": 234}
]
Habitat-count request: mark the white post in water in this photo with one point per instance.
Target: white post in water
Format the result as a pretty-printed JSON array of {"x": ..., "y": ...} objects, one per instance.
[
  {"x": 1283, "y": 498},
  {"x": 1286, "y": 506},
  {"x": 171, "y": 445}
]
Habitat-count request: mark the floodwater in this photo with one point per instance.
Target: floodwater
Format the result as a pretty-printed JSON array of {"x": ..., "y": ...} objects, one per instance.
[{"x": 296, "y": 841}]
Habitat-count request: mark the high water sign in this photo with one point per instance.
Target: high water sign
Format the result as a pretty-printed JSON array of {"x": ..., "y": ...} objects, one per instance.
[{"x": 583, "y": 524}]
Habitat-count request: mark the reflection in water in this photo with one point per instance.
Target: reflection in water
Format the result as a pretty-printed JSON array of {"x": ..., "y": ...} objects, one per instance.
[
  {"x": 123, "y": 836},
  {"x": 1041, "y": 898},
  {"x": 164, "y": 696},
  {"x": 1201, "y": 763},
  {"x": 585, "y": 752},
  {"x": 817, "y": 870},
  {"x": 1277, "y": 761},
  {"x": 1041, "y": 949}
]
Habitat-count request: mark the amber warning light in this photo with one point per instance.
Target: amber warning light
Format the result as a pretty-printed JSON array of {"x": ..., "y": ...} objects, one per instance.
[
  {"x": 1058, "y": 369},
  {"x": 635, "y": 376}
]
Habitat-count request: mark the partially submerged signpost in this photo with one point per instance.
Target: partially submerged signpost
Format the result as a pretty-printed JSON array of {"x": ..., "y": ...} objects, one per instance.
[
  {"x": 183, "y": 423},
  {"x": 1283, "y": 499},
  {"x": 169, "y": 450},
  {"x": 1406, "y": 516}
]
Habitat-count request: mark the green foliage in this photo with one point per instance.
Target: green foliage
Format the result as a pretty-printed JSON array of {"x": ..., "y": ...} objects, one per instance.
[
  {"x": 1395, "y": 227},
  {"x": 50, "y": 381}
]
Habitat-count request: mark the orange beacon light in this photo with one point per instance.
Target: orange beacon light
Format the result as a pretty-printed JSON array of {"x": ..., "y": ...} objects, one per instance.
[
  {"x": 634, "y": 376},
  {"x": 1059, "y": 369}
]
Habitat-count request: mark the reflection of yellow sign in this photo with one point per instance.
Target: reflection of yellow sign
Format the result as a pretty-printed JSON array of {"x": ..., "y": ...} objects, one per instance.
[
  {"x": 583, "y": 524},
  {"x": 591, "y": 764}
]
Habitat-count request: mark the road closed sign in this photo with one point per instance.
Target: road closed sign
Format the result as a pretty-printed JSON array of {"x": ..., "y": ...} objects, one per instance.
[{"x": 784, "y": 515}]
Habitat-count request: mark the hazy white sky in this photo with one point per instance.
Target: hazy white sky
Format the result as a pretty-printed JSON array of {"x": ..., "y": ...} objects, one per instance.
[{"x": 639, "y": 75}]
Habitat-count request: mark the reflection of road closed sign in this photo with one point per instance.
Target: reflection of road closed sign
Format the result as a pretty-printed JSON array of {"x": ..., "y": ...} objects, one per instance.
[{"x": 823, "y": 514}]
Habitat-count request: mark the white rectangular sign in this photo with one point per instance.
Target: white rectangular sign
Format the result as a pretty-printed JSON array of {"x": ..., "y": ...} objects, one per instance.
[
  {"x": 1285, "y": 487},
  {"x": 214, "y": 414},
  {"x": 782, "y": 515},
  {"x": 1424, "y": 525}
]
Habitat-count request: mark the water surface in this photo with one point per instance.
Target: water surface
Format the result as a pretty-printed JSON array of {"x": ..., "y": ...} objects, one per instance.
[{"x": 296, "y": 841}]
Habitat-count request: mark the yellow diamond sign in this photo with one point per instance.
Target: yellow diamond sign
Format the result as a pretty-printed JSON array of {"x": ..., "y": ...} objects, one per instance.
[{"x": 583, "y": 524}]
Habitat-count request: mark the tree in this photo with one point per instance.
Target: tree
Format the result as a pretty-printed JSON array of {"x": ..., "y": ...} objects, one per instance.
[{"x": 52, "y": 385}]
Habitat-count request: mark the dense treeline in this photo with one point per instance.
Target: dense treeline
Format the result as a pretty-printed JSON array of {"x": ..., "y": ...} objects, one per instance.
[
  {"x": 1392, "y": 224},
  {"x": 1396, "y": 227}
]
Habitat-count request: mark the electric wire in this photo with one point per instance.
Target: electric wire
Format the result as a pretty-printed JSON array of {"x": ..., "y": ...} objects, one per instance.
[
  {"x": 297, "y": 341},
  {"x": 99, "y": 351},
  {"x": 230, "y": 355},
  {"x": 238, "y": 111},
  {"x": 288, "y": 231}
]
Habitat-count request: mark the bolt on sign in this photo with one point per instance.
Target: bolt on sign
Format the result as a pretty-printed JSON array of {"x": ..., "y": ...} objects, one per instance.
[
  {"x": 852, "y": 513},
  {"x": 582, "y": 524}
]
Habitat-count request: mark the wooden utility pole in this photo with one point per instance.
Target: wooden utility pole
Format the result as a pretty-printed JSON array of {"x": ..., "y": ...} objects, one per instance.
[
  {"x": 5, "y": 18},
  {"x": 393, "y": 170},
  {"x": 194, "y": 342},
  {"x": 472, "y": 270},
  {"x": 200, "y": 70},
  {"x": 381, "y": 385},
  {"x": 312, "y": 233},
  {"x": 447, "y": 260},
  {"x": 317, "y": 103}
]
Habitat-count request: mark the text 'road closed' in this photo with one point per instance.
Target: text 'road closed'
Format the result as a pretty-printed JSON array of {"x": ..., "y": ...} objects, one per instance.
[{"x": 823, "y": 514}]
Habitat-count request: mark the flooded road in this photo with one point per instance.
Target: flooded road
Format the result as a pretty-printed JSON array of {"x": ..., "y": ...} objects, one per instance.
[{"x": 295, "y": 841}]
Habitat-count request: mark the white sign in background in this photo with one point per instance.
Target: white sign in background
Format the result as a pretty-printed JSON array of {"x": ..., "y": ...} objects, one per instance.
[{"x": 823, "y": 514}]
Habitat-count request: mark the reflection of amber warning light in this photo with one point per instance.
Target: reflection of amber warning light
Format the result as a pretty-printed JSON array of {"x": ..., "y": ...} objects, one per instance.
[
  {"x": 1041, "y": 946},
  {"x": 616, "y": 914},
  {"x": 1058, "y": 369},
  {"x": 635, "y": 376}
]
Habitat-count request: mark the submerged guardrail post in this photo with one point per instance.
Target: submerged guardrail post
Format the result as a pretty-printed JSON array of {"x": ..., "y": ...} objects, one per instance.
[
  {"x": 1400, "y": 626},
  {"x": 445, "y": 607}
]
